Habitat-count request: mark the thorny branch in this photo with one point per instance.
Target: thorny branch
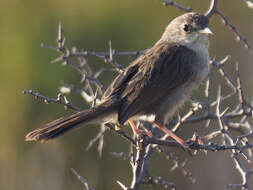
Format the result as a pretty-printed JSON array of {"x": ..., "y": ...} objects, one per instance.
[
  {"x": 61, "y": 99},
  {"x": 83, "y": 180},
  {"x": 213, "y": 9},
  {"x": 176, "y": 4},
  {"x": 228, "y": 119}
]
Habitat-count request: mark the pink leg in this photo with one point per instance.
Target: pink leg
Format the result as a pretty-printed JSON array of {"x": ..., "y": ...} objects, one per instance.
[
  {"x": 171, "y": 134},
  {"x": 135, "y": 130},
  {"x": 138, "y": 133}
]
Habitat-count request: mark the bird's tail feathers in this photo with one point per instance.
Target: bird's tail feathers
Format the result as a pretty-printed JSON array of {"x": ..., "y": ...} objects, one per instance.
[{"x": 62, "y": 125}]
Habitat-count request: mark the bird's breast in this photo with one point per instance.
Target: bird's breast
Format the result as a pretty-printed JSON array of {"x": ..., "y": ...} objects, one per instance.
[{"x": 202, "y": 65}]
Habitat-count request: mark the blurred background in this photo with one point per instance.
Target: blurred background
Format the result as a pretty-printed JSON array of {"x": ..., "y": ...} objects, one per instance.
[{"x": 131, "y": 25}]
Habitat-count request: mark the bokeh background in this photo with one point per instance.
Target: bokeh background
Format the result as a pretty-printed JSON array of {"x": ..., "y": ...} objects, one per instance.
[{"x": 131, "y": 25}]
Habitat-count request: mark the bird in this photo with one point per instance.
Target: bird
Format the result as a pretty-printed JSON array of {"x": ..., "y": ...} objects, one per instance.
[{"x": 155, "y": 85}]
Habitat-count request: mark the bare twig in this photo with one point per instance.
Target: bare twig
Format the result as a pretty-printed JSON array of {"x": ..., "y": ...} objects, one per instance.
[
  {"x": 140, "y": 165},
  {"x": 83, "y": 180},
  {"x": 59, "y": 100},
  {"x": 120, "y": 133},
  {"x": 213, "y": 9},
  {"x": 176, "y": 4},
  {"x": 96, "y": 138}
]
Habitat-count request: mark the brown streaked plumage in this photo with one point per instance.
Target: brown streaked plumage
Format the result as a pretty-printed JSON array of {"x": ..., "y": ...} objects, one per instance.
[{"x": 156, "y": 83}]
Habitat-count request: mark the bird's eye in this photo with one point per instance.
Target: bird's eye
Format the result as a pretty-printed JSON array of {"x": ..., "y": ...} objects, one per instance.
[{"x": 186, "y": 28}]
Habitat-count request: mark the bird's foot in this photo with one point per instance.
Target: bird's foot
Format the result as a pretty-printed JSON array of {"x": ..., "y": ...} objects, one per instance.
[
  {"x": 140, "y": 134},
  {"x": 195, "y": 139}
]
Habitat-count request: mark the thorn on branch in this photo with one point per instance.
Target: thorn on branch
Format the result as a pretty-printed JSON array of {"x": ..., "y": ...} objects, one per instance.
[
  {"x": 212, "y": 8},
  {"x": 177, "y": 5},
  {"x": 96, "y": 138},
  {"x": 241, "y": 96},
  {"x": 122, "y": 185},
  {"x": 82, "y": 180}
]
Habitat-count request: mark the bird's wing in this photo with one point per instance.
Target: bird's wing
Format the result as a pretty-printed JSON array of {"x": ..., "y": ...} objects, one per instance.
[
  {"x": 119, "y": 84},
  {"x": 153, "y": 76}
]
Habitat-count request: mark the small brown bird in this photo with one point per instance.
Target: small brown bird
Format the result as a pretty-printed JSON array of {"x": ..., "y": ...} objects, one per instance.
[{"x": 155, "y": 84}]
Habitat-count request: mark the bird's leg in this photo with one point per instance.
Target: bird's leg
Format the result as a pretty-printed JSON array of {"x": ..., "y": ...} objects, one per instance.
[
  {"x": 133, "y": 126},
  {"x": 138, "y": 133},
  {"x": 171, "y": 134}
]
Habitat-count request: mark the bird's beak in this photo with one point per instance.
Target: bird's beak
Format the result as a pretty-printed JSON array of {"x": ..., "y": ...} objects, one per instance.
[{"x": 206, "y": 31}]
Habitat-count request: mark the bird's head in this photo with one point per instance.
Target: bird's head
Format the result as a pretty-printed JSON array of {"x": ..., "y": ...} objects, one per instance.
[{"x": 188, "y": 29}]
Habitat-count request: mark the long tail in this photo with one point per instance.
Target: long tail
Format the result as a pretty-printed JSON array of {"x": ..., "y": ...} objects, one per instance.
[{"x": 62, "y": 125}]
